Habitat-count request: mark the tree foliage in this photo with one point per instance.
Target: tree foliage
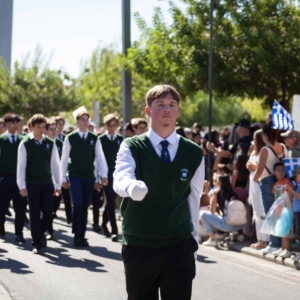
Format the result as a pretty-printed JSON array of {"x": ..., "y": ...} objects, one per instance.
[
  {"x": 35, "y": 89},
  {"x": 101, "y": 80},
  {"x": 256, "y": 49}
]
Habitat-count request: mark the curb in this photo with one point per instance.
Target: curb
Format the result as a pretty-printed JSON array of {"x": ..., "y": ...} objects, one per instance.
[
  {"x": 244, "y": 248},
  {"x": 4, "y": 295}
]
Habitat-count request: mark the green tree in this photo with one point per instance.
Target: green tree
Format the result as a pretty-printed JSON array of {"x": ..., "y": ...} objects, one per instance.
[
  {"x": 101, "y": 80},
  {"x": 35, "y": 89},
  {"x": 256, "y": 49}
]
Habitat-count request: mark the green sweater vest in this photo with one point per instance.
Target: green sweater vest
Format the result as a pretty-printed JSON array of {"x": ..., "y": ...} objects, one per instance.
[
  {"x": 59, "y": 146},
  {"x": 9, "y": 155},
  {"x": 110, "y": 149},
  {"x": 82, "y": 155},
  {"x": 163, "y": 217},
  {"x": 38, "y": 167}
]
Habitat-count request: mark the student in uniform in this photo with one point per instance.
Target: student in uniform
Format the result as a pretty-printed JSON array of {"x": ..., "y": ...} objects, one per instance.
[
  {"x": 160, "y": 175},
  {"x": 38, "y": 169},
  {"x": 110, "y": 143},
  {"x": 60, "y": 122},
  {"x": 51, "y": 133},
  {"x": 139, "y": 125},
  {"x": 82, "y": 148},
  {"x": 9, "y": 143}
]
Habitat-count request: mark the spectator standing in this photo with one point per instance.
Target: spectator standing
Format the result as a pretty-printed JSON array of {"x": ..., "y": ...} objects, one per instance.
[
  {"x": 269, "y": 155},
  {"x": 254, "y": 192},
  {"x": 292, "y": 141}
]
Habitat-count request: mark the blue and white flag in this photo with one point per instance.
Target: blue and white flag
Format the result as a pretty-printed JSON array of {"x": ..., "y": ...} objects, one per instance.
[
  {"x": 281, "y": 119},
  {"x": 291, "y": 165}
]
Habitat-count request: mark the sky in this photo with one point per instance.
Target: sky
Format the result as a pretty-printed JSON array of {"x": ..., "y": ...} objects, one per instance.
[{"x": 69, "y": 30}]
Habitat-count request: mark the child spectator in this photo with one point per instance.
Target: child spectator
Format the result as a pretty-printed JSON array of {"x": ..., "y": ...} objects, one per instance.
[
  {"x": 215, "y": 218},
  {"x": 296, "y": 207},
  {"x": 278, "y": 189}
]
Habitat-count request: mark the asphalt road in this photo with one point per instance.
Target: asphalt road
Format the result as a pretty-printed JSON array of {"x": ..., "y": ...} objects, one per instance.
[{"x": 65, "y": 273}]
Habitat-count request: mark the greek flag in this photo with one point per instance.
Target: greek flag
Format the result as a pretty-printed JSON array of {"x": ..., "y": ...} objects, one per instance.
[
  {"x": 290, "y": 166},
  {"x": 281, "y": 119}
]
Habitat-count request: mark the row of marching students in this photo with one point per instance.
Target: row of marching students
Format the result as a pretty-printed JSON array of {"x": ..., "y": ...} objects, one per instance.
[{"x": 40, "y": 166}]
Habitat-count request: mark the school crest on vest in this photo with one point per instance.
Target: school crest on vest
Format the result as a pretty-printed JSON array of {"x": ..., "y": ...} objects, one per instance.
[
  {"x": 183, "y": 175},
  {"x": 92, "y": 142},
  {"x": 47, "y": 146}
]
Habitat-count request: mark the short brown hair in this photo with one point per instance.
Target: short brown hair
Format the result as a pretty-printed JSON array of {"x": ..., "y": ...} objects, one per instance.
[
  {"x": 11, "y": 117},
  {"x": 160, "y": 91},
  {"x": 138, "y": 121},
  {"x": 49, "y": 123},
  {"x": 81, "y": 114},
  {"x": 59, "y": 118},
  {"x": 37, "y": 119},
  {"x": 110, "y": 117}
]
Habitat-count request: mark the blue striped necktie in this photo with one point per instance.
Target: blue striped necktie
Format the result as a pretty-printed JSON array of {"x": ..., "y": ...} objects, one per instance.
[{"x": 165, "y": 155}]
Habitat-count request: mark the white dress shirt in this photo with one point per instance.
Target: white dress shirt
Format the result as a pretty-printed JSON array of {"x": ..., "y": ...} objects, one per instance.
[
  {"x": 9, "y": 135},
  {"x": 22, "y": 162},
  {"x": 100, "y": 160},
  {"x": 125, "y": 173},
  {"x": 109, "y": 136}
]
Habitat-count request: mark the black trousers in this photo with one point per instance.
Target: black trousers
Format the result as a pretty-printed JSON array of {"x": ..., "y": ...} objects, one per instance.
[
  {"x": 40, "y": 199},
  {"x": 56, "y": 203},
  {"x": 10, "y": 191},
  {"x": 109, "y": 212},
  {"x": 67, "y": 201},
  {"x": 97, "y": 204},
  {"x": 170, "y": 269}
]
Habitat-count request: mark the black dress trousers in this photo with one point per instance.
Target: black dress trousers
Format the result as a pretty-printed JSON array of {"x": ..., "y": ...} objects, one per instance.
[{"x": 170, "y": 270}]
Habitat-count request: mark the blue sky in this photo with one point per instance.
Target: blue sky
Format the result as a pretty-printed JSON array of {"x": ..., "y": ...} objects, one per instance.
[{"x": 72, "y": 29}]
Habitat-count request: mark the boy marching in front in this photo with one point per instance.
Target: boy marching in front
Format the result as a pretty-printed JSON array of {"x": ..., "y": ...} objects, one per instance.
[
  {"x": 111, "y": 143},
  {"x": 161, "y": 176},
  {"x": 81, "y": 149},
  {"x": 9, "y": 143},
  {"x": 37, "y": 169}
]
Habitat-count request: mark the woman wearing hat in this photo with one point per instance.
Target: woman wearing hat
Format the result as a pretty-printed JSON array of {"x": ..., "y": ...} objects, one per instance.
[{"x": 292, "y": 141}]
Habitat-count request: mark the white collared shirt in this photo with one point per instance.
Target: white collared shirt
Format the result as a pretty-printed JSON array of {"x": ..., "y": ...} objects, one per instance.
[
  {"x": 100, "y": 160},
  {"x": 22, "y": 163},
  {"x": 9, "y": 135},
  {"x": 125, "y": 173},
  {"x": 109, "y": 136}
]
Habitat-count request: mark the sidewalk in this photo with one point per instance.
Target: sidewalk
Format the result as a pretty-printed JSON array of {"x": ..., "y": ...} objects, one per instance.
[{"x": 244, "y": 247}]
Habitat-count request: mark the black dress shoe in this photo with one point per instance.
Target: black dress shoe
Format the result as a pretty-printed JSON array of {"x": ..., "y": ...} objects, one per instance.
[
  {"x": 43, "y": 242},
  {"x": 8, "y": 213},
  {"x": 97, "y": 228},
  {"x": 106, "y": 231},
  {"x": 114, "y": 238},
  {"x": 84, "y": 243},
  {"x": 77, "y": 242},
  {"x": 2, "y": 231},
  {"x": 20, "y": 239}
]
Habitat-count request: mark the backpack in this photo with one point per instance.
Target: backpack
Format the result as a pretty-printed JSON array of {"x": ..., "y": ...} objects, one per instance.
[{"x": 236, "y": 214}]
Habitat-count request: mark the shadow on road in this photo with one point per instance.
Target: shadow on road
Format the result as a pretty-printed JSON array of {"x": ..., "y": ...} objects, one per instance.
[
  {"x": 204, "y": 260},
  {"x": 59, "y": 257}
]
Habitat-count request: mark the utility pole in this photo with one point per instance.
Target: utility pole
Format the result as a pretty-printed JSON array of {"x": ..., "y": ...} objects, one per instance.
[
  {"x": 126, "y": 76},
  {"x": 6, "y": 20},
  {"x": 210, "y": 86}
]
